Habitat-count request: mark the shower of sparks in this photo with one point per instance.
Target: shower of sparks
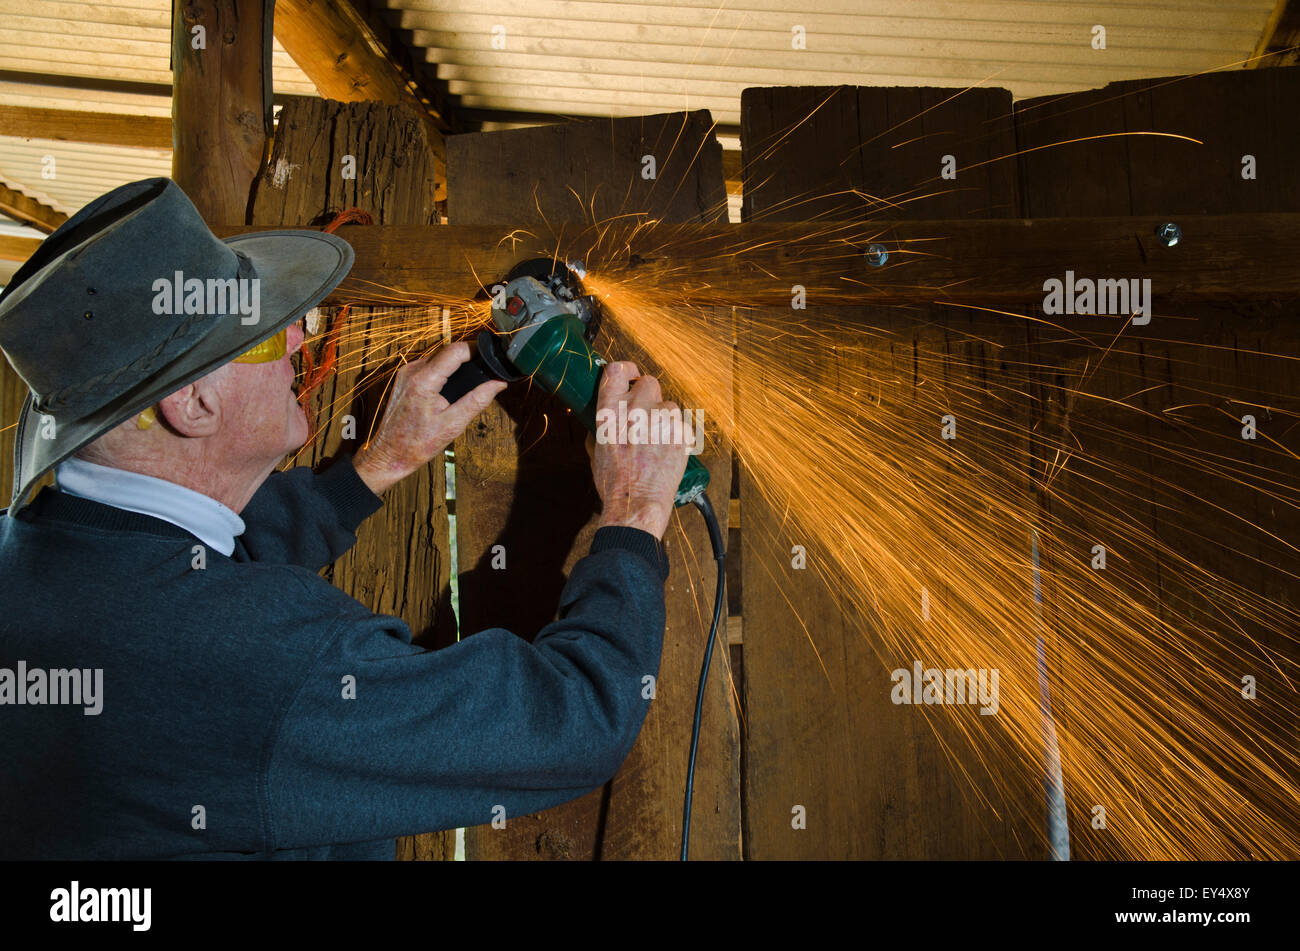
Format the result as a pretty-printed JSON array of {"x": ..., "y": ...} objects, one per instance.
[
  {"x": 837, "y": 424},
  {"x": 371, "y": 347},
  {"x": 834, "y": 415}
]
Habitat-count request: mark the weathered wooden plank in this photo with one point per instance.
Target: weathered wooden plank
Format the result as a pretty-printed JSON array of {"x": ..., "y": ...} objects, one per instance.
[
  {"x": 993, "y": 263},
  {"x": 523, "y": 481},
  {"x": 357, "y": 161},
  {"x": 1194, "y": 168},
  {"x": 1160, "y": 474},
  {"x": 400, "y": 564},
  {"x": 872, "y": 776},
  {"x": 997, "y": 263},
  {"x": 1278, "y": 45}
]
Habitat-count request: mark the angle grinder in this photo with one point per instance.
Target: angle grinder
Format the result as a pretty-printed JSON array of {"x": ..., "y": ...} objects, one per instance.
[{"x": 543, "y": 326}]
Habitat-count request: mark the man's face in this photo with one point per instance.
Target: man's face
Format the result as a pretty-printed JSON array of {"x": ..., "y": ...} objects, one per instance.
[{"x": 267, "y": 422}]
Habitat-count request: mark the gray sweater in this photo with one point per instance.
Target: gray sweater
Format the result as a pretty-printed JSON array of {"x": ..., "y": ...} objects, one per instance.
[{"x": 249, "y": 709}]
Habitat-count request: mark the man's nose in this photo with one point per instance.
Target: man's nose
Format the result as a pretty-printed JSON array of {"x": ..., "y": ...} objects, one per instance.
[{"x": 295, "y": 338}]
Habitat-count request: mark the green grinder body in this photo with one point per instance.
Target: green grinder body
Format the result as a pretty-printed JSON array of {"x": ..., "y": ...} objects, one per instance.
[{"x": 558, "y": 357}]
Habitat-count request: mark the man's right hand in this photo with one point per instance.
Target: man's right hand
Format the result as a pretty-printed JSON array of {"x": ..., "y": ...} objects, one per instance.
[
  {"x": 419, "y": 423},
  {"x": 636, "y": 482}
]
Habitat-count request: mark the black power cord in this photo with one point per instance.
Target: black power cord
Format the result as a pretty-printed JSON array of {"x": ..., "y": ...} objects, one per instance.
[{"x": 720, "y": 554}]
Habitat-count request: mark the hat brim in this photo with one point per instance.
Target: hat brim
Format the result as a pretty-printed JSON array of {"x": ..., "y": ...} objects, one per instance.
[{"x": 295, "y": 269}]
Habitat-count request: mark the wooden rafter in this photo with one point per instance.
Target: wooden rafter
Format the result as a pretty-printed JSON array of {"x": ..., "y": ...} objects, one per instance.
[
  {"x": 17, "y": 249},
  {"x": 412, "y": 62},
  {"x": 1280, "y": 43},
  {"x": 352, "y": 58},
  {"x": 27, "y": 209},
  {"x": 98, "y": 128}
]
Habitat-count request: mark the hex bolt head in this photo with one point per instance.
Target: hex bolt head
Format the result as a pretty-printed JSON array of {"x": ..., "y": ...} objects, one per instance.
[
  {"x": 1169, "y": 234},
  {"x": 877, "y": 255}
]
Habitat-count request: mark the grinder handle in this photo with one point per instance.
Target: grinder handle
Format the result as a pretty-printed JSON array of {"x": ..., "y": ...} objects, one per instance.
[
  {"x": 487, "y": 362},
  {"x": 466, "y": 377}
]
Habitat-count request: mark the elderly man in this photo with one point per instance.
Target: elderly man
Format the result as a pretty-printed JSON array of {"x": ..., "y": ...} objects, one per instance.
[{"x": 176, "y": 680}]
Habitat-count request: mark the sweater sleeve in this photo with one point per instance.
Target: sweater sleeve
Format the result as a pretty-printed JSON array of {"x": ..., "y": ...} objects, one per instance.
[
  {"x": 385, "y": 739},
  {"x": 305, "y": 518}
]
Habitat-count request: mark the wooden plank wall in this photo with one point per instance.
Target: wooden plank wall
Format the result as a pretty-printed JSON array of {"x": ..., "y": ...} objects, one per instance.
[
  {"x": 523, "y": 481},
  {"x": 1160, "y": 431},
  {"x": 822, "y": 731},
  {"x": 401, "y": 562}
]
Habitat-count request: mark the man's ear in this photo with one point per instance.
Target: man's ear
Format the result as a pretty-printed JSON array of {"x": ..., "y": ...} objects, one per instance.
[{"x": 194, "y": 410}]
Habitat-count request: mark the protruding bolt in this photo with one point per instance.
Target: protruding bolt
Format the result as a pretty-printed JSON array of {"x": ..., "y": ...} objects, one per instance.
[
  {"x": 579, "y": 269},
  {"x": 1169, "y": 234},
  {"x": 877, "y": 255}
]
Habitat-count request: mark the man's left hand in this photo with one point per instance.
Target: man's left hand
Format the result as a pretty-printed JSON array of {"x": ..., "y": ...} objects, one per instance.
[{"x": 419, "y": 423}]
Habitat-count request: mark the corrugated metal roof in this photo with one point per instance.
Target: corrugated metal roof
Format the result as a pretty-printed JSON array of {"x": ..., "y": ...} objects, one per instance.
[
  {"x": 118, "y": 39},
  {"x": 576, "y": 57},
  {"x": 42, "y": 96},
  {"x": 81, "y": 172}
]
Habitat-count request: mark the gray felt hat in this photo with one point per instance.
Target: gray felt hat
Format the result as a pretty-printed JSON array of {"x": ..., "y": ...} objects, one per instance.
[{"x": 106, "y": 318}]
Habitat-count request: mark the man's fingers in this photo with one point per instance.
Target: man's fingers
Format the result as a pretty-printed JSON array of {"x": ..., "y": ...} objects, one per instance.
[
  {"x": 614, "y": 383},
  {"x": 444, "y": 363},
  {"x": 647, "y": 388}
]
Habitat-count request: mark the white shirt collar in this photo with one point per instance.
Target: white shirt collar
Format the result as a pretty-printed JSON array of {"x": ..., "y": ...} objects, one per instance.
[{"x": 203, "y": 517}]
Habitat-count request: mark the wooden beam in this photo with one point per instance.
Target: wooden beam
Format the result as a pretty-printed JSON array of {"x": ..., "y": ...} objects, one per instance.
[
  {"x": 97, "y": 128},
  {"x": 473, "y": 117},
  {"x": 1279, "y": 45},
  {"x": 27, "y": 209},
  {"x": 414, "y": 62},
  {"x": 990, "y": 263},
  {"x": 221, "y": 101},
  {"x": 85, "y": 83},
  {"x": 349, "y": 60},
  {"x": 39, "y": 82},
  {"x": 331, "y": 43},
  {"x": 17, "y": 249}
]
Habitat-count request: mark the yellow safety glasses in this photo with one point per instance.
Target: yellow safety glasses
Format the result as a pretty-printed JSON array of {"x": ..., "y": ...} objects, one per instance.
[{"x": 268, "y": 351}]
